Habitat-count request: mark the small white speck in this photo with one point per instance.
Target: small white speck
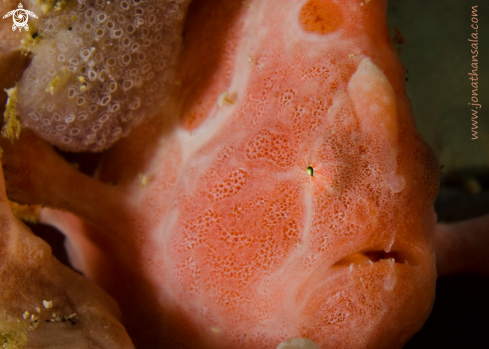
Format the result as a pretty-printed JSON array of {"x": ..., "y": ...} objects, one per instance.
[
  {"x": 224, "y": 99},
  {"x": 143, "y": 180},
  {"x": 47, "y": 304},
  {"x": 26, "y": 315},
  {"x": 216, "y": 330}
]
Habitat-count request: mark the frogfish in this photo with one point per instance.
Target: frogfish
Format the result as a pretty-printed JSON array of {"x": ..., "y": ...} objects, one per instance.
[{"x": 275, "y": 194}]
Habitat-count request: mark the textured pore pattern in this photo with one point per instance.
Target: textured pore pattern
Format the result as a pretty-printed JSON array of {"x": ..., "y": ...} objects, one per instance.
[
  {"x": 99, "y": 68},
  {"x": 229, "y": 186}
]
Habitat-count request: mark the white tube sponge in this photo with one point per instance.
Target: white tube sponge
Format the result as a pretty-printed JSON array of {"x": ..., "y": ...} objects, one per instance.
[{"x": 99, "y": 68}]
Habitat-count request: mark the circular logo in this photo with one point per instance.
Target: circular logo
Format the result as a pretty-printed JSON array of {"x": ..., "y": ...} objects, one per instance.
[{"x": 20, "y": 17}]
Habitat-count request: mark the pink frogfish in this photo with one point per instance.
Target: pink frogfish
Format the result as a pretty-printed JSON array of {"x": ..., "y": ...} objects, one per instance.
[{"x": 282, "y": 197}]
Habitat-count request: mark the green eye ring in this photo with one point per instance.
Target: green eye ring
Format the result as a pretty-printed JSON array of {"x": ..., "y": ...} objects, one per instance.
[{"x": 310, "y": 170}]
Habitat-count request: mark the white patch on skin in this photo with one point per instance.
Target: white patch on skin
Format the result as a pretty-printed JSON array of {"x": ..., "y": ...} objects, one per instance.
[
  {"x": 298, "y": 343},
  {"x": 390, "y": 279},
  {"x": 309, "y": 215},
  {"x": 374, "y": 101},
  {"x": 192, "y": 142}
]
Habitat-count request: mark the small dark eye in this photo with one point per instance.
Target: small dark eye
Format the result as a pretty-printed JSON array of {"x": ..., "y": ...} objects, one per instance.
[{"x": 310, "y": 170}]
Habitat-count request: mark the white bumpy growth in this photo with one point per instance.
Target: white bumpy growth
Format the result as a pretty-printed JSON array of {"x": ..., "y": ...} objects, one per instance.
[{"x": 98, "y": 69}]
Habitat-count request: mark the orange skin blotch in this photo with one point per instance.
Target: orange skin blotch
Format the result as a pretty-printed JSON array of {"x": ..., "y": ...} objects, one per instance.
[
  {"x": 205, "y": 57},
  {"x": 321, "y": 17}
]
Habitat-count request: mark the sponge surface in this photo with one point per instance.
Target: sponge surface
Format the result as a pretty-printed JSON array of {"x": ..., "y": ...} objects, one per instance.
[{"x": 96, "y": 68}]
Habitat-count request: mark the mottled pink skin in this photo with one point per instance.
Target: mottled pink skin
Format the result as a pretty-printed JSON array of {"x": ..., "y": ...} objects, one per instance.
[{"x": 231, "y": 243}]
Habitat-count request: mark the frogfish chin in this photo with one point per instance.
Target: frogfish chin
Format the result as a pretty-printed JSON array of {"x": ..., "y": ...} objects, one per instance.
[{"x": 282, "y": 197}]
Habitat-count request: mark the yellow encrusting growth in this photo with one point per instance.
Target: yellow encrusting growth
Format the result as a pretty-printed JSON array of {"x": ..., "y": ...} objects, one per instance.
[
  {"x": 143, "y": 180},
  {"x": 29, "y": 41},
  {"x": 12, "y": 340},
  {"x": 58, "y": 81},
  {"x": 55, "y": 5},
  {"x": 11, "y": 127},
  {"x": 12, "y": 332},
  {"x": 28, "y": 213}
]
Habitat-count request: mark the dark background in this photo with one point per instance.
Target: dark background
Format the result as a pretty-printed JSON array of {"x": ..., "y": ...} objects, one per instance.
[{"x": 436, "y": 54}]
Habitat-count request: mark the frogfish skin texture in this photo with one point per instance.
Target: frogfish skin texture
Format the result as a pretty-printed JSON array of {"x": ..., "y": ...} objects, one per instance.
[{"x": 282, "y": 195}]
